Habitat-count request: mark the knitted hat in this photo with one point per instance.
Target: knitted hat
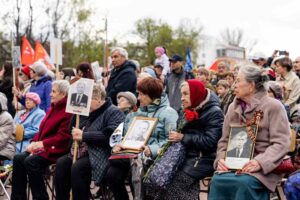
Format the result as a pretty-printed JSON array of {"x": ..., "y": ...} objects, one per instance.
[
  {"x": 39, "y": 68},
  {"x": 161, "y": 50},
  {"x": 150, "y": 71},
  {"x": 129, "y": 96},
  {"x": 34, "y": 97},
  {"x": 198, "y": 92},
  {"x": 276, "y": 89},
  {"x": 26, "y": 70}
]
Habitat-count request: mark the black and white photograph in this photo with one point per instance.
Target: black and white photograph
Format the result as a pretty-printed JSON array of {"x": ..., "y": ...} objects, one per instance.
[
  {"x": 240, "y": 147},
  {"x": 139, "y": 132},
  {"x": 79, "y": 97},
  {"x": 16, "y": 56}
]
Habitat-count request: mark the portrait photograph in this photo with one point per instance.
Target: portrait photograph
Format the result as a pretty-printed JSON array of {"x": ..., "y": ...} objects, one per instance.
[
  {"x": 240, "y": 147},
  {"x": 139, "y": 132},
  {"x": 80, "y": 97},
  {"x": 16, "y": 56}
]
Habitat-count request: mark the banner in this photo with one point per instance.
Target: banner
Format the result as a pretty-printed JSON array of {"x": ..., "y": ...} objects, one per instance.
[
  {"x": 41, "y": 54},
  {"x": 27, "y": 52}
]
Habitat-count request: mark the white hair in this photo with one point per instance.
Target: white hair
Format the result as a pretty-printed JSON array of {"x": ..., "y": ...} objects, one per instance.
[
  {"x": 99, "y": 91},
  {"x": 254, "y": 74},
  {"x": 62, "y": 85},
  {"x": 121, "y": 50}
]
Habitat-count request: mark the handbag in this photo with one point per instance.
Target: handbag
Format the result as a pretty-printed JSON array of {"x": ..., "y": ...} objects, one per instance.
[
  {"x": 285, "y": 167},
  {"x": 163, "y": 170}
]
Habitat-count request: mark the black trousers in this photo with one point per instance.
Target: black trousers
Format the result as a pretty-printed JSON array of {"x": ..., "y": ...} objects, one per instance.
[
  {"x": 115, "y": 178},
  {"x": 34, "y": 167},
  {"x": 76, "y": 176}
]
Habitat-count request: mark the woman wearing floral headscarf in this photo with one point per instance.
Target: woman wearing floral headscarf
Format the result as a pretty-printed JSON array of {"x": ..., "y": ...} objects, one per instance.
[{"x": 201, "y": 131}]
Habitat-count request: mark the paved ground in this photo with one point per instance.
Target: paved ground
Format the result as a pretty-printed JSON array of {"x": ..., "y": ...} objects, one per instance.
[{"x": 203, "y": 196}]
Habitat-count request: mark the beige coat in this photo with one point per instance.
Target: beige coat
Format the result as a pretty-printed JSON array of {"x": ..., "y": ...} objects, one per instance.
[
  {"x": 291, "y": 85},
  {"x": 272, "y": 141},
  {"x": 7, "y": 131}
]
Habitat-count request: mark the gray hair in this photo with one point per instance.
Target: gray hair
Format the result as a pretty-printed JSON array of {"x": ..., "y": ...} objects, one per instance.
[
  {"x": 99, "y": 91},
  {"x": 62, "y": 85},
  {"x": 227, "y": 64},
  {"x": 121, "y": 50},
  {"x": 256, "y": 75}
]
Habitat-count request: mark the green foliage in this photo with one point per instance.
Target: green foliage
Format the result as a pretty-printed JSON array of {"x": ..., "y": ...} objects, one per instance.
[{"x": 157, "y": 33}]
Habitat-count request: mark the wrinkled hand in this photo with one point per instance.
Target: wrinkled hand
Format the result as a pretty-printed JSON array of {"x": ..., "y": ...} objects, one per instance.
[
  {"x": 33, "y": 146},
  {"x": 16, "y": 92},
  {"x": 147, "y": 151},
  {"x": 77, "y": 134},
  {"x": 222, "y": 166},
  {"x": 117, "y": 148},
  {"x": 175, "y": 137},
  {"x": 251, "y": 166}
]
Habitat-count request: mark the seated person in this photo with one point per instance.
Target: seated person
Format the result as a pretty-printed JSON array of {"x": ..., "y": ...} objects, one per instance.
[
  {"x": 46, "y": 147},
  {"x": 257, "y": 176},
  {"x": 94, "y": 150},
  {"x": 152, "y": 104},
  {"x": 7, "y": 130},
  {"x": 30, "y": 119}
]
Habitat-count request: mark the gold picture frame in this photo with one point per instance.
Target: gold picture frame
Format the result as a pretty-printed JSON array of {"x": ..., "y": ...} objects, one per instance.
[
  {"x": 138, "y": 133},
  {"x": 240, "y": 146}
]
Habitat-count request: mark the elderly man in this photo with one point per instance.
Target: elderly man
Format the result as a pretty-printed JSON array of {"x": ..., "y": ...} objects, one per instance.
[
  {"x": 174, "y": 80},
  {"x": 296, "y": 65},
  {"x": 223, "y": 68},
  {"x": 123, "y": 76}
]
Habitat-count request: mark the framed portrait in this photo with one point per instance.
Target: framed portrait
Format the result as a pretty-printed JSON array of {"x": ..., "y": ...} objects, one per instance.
[
  {"x": 138, "y": 133},
  {"x": 16, "y": 56},
  {"x": 240, "y": 147},
  {"x": 80, "y": 97}
]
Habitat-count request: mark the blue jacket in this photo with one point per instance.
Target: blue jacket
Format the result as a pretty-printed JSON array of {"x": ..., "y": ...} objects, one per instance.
[
  {"x": 43, "y": 88},
  {"x": 31, "y": 126},
  {"x": 167, "y": 119}
]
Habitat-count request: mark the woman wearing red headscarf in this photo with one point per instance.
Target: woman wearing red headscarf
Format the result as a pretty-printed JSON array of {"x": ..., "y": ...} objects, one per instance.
[{"x": 202, "y": 129}]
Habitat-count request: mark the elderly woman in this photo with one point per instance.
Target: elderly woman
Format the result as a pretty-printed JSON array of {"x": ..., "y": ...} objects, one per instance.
[
  {"x": 30, "y": 119},
  {"x": 41, "y": 85},
  {"x": 256, "y": 178},
  {"x": 201, "y": 131},
  {"x": 93, "y": 134},
  {"x": 152, "y": 104},
  {"x": 289, "y": 81},
  {"x": 7, "y": 129},
  {"x": 46, "y": 147},
  {"x": 126, "y": 102}
]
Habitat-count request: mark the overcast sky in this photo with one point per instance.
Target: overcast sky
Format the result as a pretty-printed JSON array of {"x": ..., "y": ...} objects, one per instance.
[{"x": 275, "y": 24}]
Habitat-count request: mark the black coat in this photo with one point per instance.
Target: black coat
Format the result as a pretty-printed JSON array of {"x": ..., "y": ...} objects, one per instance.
[
  {"x": 121, "y": 80},
  {"x": 201, "y": 137}
]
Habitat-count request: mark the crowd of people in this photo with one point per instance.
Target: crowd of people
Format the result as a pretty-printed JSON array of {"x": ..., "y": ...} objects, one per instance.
[{"x": 196, "y": 109}]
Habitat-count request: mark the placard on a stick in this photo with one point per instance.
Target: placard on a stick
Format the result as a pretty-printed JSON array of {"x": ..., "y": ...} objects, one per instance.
[
  {"x": 16, "y": 56},
  {"x": 80, "y": 97},
  {"x": 56, "y": 51},
  {"x": 97, "y": 70}
]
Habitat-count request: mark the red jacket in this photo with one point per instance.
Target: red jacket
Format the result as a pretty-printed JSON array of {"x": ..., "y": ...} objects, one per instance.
[{"x": 54, "y": 131}]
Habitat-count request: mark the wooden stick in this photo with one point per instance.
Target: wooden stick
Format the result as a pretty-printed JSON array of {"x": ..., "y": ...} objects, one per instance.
[
  {"x": 75, "y": 147},
  {"x": 76, "y": 142}
]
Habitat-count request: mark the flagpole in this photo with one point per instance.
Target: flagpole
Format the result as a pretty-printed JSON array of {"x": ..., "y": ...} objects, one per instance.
[
  {"x": 14, "y": 74},
  {"x": 106, "y": 51}
]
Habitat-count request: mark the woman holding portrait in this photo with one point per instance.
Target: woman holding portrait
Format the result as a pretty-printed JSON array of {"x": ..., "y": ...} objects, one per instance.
[{"x": 257, "y": 176}]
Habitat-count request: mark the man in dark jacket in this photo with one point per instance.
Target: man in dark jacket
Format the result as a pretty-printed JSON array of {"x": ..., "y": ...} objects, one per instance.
[
  {"x": 122, "y": 77},
  {"x": 174, "y": 80}
]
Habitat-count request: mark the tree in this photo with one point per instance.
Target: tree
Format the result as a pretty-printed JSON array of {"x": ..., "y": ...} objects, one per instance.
[
  {"x": 157, "y": 33},
  {"x": 236, "y": 37}
]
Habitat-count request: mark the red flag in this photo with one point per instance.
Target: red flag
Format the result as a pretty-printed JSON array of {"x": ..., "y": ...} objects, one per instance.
[
  {"x": 214, "y": 66},
  {"x": 41, "y": 54},
  {"x": 27, "y": 54}
]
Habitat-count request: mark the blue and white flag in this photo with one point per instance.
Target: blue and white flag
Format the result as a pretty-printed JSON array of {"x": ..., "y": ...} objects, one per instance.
[{"x": 188, "y": 61}]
